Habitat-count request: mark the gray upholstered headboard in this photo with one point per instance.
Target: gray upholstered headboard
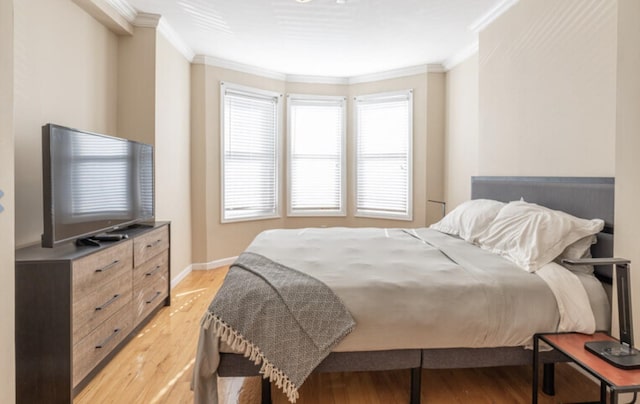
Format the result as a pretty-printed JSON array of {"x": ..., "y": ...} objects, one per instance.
[{"x": 586, "y": 197}]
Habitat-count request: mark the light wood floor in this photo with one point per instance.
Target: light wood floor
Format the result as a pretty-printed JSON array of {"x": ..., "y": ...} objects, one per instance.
[{"x": 156, "y": 366}]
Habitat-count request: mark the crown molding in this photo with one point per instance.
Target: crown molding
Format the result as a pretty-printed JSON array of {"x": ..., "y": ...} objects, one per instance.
[
  {"x": 477, "y": 26},
  {"x": 108, "y": 15},
  {"x": 147, "y": 20},
  {"x": 240, "y": 67},
  {"x": 174, "y": 39},
  {"x": 435, "y": 68},
  {"x": 293, "y": 78},
  {"x": 298, "y": 78},
  {"x": 123, "y": 8},
  {"x": 482, "y": 22},
  {"x": 461, "y": 56},
  {"x": 389, "y": 74}
]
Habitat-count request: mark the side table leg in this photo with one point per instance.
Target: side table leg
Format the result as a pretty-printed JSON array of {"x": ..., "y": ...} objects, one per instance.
[
  {"x": 603, "y": 393},
  {"x": 613, "y": 396},
  {"x": 549, "y": 378}
]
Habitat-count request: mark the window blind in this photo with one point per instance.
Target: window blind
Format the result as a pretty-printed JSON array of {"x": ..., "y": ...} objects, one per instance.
[
  {"x": 384, "y": 155},
  {"x": 249, "y": 154},
  {"x": 316, "y": 159}
]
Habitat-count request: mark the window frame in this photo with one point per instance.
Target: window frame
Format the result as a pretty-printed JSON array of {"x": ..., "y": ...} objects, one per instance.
[
  {"x": 342, "y": 212},
  {"x": 367, "y": 213},
  {"x": 258, "y": 93}
]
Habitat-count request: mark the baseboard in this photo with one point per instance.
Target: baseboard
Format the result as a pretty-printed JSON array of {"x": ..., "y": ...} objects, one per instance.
[
  {"x": 201, "y": 267},
  {"x": 178, "y": 278},
  {"x": 214, "y": 264}
]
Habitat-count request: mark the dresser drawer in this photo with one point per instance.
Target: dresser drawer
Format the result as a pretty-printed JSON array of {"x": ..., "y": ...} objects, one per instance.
[
  {"x": 97, "y": 345},
  {"x": 94, "y": 305},
  {"x": 150, "y": 244},
  {"x": 150, "y": 271},
  {"x": 149, "y": 297},
  {"x": 100, "y": 267}
]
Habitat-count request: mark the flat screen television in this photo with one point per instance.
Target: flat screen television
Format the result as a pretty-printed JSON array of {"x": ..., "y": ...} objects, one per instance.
[{"x": 93, "y": 184}]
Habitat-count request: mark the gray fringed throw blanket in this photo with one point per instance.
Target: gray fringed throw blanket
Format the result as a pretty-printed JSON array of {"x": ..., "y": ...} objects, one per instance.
[{"x": 278, "y": 317}]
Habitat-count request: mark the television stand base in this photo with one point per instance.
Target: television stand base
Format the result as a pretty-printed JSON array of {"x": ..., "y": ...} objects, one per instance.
[
  {"x": 109, "y": 237},
  {"x": 94, "y": 241},
  {"x": 89, "y": 242}
]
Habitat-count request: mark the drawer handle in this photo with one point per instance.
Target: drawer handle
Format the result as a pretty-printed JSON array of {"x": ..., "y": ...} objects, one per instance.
[
  {"x": 108, "y": 302},
  {"x": 156, "y": 269},
  {"x": 155, "y": 243},
  {"x": 154, "y": 297},
  {"x": 105, "y": 268},
  {"x": 109, "y": 338}
]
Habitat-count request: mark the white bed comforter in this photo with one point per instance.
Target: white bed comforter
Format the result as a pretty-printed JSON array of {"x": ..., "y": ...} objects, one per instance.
[{"x": 424, "y": 289}]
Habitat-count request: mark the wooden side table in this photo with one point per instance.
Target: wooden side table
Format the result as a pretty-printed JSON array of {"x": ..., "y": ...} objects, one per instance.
[{"x": 572, "y": 345}]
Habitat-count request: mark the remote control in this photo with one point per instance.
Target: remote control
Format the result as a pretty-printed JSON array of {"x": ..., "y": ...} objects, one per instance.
[{"x": 110, "y": 237}]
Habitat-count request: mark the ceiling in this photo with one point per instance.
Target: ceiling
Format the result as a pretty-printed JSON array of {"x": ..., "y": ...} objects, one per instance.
[{"x": 325, "y": 38}]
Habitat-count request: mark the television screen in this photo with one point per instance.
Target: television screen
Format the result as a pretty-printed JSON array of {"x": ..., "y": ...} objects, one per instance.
[{"x": 93, "y": 183}]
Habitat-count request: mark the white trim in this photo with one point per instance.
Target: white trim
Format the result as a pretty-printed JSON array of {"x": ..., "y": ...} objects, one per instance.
[
  {"x": 397, "y": 94},
  {"x": 240, "y": 67},
  {"x": 377, "y": 214},
  {"x": 390, "y": 74},
  {"x": 147, "y": 20},
  {"x": 122, "y": 7},
  {"x": 342, "y": 100},
  {"x": 296, "y": 78},
  {"x": 435, "y": 68},
  {"x": 174, "y": 39},
  {"x": 482, "y": 22},
  {"x": 105, "y": 12},
  {"x": 461, "y": 56},
  {"x": 178, "y": 278},
  {"x": 214, "y": 264},
  {"x": 279, "y": 135}
]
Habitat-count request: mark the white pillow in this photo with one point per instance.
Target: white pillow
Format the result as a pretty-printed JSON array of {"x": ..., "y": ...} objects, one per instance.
[
  {"x": 531, "y": 235},
  {"x": 469, "y": 218},
  {"x": 577, "y": 250}
]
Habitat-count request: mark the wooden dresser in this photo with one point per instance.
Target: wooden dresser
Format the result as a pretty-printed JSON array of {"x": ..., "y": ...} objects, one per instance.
[{"x": 77, "y": 306}]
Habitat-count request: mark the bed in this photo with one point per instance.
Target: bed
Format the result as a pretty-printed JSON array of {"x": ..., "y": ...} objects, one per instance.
[{"x": 442, "y": 341}]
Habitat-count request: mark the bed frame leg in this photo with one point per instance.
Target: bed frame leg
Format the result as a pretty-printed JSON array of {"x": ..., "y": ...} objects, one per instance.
[
  {"x": 415, "y": 385},
  {"x": 266, "y": 391},
  {"x": 548, "y": 379}
]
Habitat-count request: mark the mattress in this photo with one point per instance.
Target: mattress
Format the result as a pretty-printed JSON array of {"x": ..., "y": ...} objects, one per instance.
[{"x": 420, "y": 288}]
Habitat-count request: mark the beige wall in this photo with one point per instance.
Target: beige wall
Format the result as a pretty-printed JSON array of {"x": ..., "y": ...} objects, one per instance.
[
  {"x": 627, "y": 219},
  {"x": 65, "y": 73},
  {"x": 137, "y": 85},
  {"x": 7, "y": 217},
  {"x": 172, "y": 151},
  {"x": 547, "y": 89},
  {"x": 214, "y": 240},
  {"x": 435, "y": 151},
  {"x": 461, "y": 145},
  {"x": 154, "y": 102},
  {"x": 202, "y": 169}
]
